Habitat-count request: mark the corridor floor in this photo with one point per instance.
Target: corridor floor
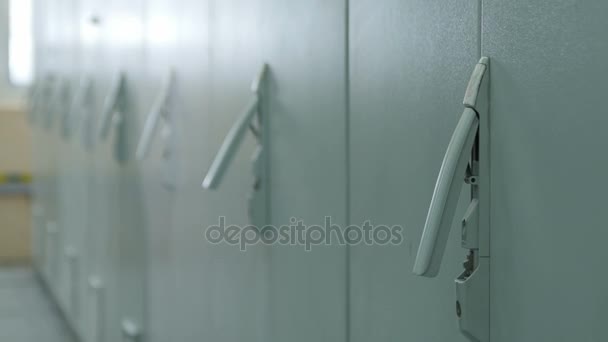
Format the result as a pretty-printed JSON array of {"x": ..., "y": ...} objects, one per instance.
[{"x": 26, "y": 314}]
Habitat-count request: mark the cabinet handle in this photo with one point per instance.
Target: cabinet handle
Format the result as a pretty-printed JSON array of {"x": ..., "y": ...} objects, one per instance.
[
  {"x": 96, "y": 313},
  {"x": 40, "y": 93},
  {"x": 57, "y": 102},
  {"x": 34, "y": 99},
  {"x": 78, "y": 101},
  {"x": 130, "y": 331},
  {"x": 72, "y": 258},
  {"x": 111, "y": 104},
  {"x": 466, "y": 161},
  {"x": 462, "y": 151},
  {"x": 159, "y": 110},
  {"x": 235, "y": 136},
  {"x": 445, "y": 197}
]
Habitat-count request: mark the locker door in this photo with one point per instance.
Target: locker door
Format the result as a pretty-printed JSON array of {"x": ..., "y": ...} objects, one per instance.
[
  {"x": 120, "y": 275},
  {"x": 304, "y": 44},
  {"x": 38, "y": 106},
  {"x": 103, "y": 321},
  {"x": 83, "y": 140},
  {"x": 99, "y": 303},
  {"x": 46, "y": 148},
  {"x": 52, "y": 121},
  {"x": 71, "y": 186},
  {"x": 410, "y": 62},
  {"x": 221, "y": 291},
  {"x": 127, "y": 32},
  {"x": 158, "y": 161},
  {"x": 549, "y": 166}
]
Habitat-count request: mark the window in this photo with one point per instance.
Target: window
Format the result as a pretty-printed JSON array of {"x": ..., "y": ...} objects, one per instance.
[{"x": 21, "y": 39}]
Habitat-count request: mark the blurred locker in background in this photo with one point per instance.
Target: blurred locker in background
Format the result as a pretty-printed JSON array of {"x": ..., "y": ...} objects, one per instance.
[{"x": 135, "y": 102}]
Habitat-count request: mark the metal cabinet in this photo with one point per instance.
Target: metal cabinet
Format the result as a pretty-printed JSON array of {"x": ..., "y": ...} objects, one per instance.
[
  {"x": 47, "y": 151},
  {"x": 224, "y": 288},
  {"x": 71, "y": 157},
  {"x": 358, "y": 106},
  {"x": 410, "y": 62},
  {"x": 38, "y": 108},
  {"x": 123, "y": 55},
  {"x": 115, "y": 237},
  {"x": 304, "y": 44},
  {"x": 547, "y": 126},
  {"x": 159, "y": 160},
  {"x": 100, "y": 322},
  {"x": 49, "y": 120}
]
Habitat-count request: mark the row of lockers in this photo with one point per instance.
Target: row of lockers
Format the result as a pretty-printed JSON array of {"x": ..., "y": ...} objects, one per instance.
[{"x": 351, "y": 120}]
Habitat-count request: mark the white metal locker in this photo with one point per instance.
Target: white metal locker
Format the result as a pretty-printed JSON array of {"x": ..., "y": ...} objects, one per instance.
[
  {"x": 224, "y": 288},
  {"x": 304, "y": 44},
  {"x": 548, "y": 161},
  {"x": 410, "y": 62}
]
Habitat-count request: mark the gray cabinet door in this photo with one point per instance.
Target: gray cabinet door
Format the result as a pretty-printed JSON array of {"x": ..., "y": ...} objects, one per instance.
[
  {"x": 45, "y": 151},
  {"x": 72, "y": 182},
  {"x": 164, "y": 75},
  {"x": 410, "y": 62},
  {"x": 121, "y": 262},
  {"x": 304, "y": 43},
  {"x": 220, "y": 291},
  {"x": 549, "y": 166}
]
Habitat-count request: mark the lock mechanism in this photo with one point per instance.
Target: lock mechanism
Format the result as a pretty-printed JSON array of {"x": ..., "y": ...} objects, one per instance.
[
  {"x": 161, "y": 121},
  {"x": 251, "y": 119},
  {"x": 466, "y": 162}
]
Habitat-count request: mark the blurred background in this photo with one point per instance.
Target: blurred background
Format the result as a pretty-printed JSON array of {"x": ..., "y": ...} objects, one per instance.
[{"x": 128, "y": 128}]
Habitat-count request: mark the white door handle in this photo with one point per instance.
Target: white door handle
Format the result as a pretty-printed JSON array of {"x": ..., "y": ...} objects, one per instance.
[
  {"x": 466, "y": 161},
  {"x": 112, "y": 117},
  {"x": 159, "y": 110},
  {"x": 36, "y": 93},
  {"x": 56, "y": 104},
  {"x": 235, "y": 136},
  {"x": 230, "y": 145},
  {"x": 41, "y": 94},
  {"x": 73, "y": 277},
  {"x": 112, "y": 104},
  {"x": 96, "y": 310},
  {"x": 445, "y": 197},
  {"x": 80, "y": 96},
  {"x": 130, "y": 331},
  {"x": 451, "y": 178}
]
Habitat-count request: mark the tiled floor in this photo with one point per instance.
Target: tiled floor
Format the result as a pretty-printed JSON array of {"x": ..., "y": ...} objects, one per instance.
[{"x": 26, "y": 314}]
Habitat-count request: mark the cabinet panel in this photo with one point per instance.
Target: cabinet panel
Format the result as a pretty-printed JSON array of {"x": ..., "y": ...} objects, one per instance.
[
  {"x": 410, "y": 62},
  {"x": 304, "y": 44},
  {"x": 548, "y": 125},
  {"x": 50, "y": 141},
  {"x": 117, "y": 234},
  {"x": 157, "y": 167},
  {"x": 221, "y": 291},
  {"x": 40, "y": 205},
  {"x": 100, "y": 313},
  {"x": 127, "y": 31},
  {"x": 71, "y": 182}
]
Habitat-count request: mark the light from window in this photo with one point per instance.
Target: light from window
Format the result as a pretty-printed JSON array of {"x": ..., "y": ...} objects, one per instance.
[{"x": 21, "y": 43}]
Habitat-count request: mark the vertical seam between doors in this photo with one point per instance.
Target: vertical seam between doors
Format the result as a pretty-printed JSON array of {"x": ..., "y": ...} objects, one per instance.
[
  {"x": 347, "y": 162},
  {"x": 480, "y": 38}
]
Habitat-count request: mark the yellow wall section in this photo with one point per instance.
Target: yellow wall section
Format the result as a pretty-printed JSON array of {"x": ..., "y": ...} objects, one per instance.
[{"x": 15, "y": 141}]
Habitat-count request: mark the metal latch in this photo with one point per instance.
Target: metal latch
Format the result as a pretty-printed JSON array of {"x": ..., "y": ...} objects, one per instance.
[
  {"x": 252, "y": 119},
  {"x": 466, "y": 161},
  {"x": 161, "y": 119}
]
